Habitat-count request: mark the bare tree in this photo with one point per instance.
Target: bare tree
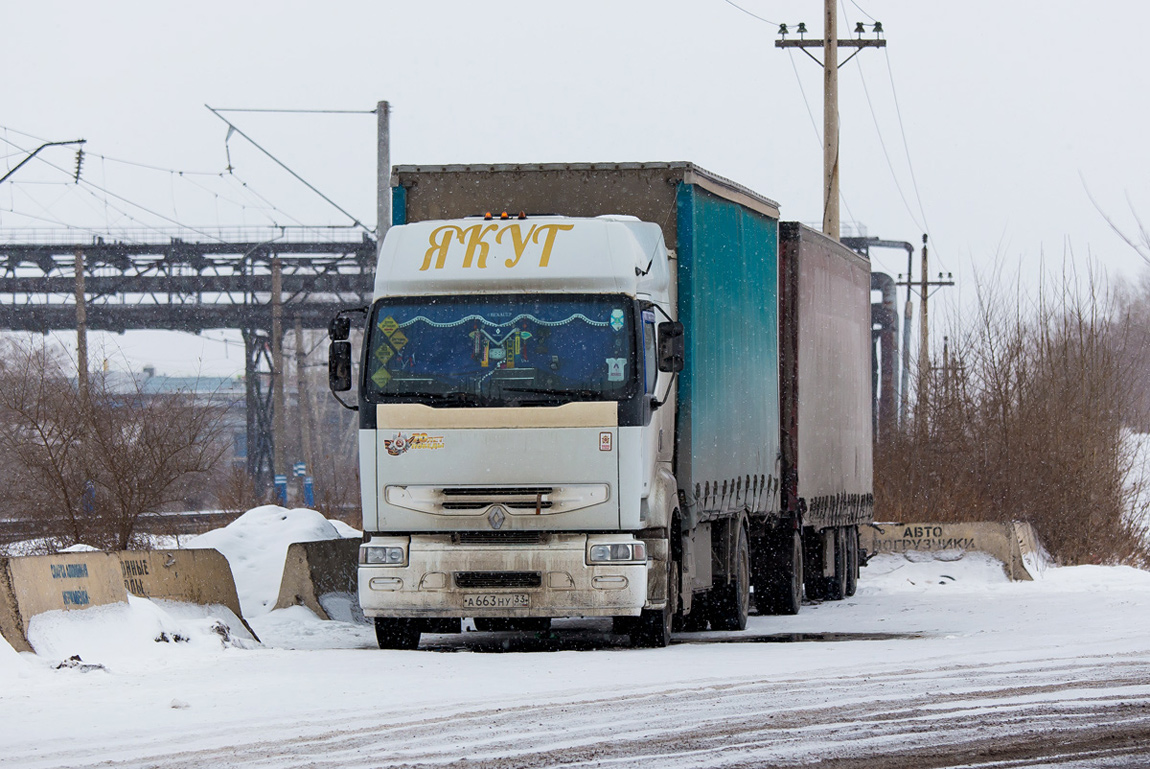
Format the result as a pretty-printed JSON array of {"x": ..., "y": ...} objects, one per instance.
[
  {"x": 88, "y": 469},
  {"x": 1031, "y": 424}
]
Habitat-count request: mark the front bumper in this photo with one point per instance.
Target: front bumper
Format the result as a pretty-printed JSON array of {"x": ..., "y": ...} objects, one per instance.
[{"x": 441, "y": 578}]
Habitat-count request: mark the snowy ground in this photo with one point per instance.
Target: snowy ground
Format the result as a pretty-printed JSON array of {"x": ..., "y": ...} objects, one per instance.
[{"x": 933, "y": 663}]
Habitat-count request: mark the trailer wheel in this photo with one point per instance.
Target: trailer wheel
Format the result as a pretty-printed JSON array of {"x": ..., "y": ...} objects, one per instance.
[
  {"x": 813, "y": 579},
  {"x": 730, "y": 603},
  {"x": 396, "y": 633},
  {"x": 852, "y": 560},
  {"x": 836, "y": 585},
  {"x": 778, "y": 576},
  {"x": 652, "y": 628}
]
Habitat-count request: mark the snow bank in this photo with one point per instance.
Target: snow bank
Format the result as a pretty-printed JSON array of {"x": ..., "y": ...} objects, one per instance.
[
  {"x": 256, "y": 545},
  {"x": 138, "y": 632},
  {"x": 10, "y": 663},
  {"x": 916, "y": 571}
]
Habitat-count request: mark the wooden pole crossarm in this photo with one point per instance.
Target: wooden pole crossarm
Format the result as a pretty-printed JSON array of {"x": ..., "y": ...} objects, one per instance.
[{"x": 849, "y": 43}]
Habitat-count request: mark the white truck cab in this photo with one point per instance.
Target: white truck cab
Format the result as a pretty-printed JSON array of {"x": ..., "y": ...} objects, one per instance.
[{"x": 511, "y": 441}]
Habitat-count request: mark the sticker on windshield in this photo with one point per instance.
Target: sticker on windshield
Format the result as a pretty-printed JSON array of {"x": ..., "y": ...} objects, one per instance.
[
  {"x": 617, "y": 320},
  {"x": 615, "y": 368}
]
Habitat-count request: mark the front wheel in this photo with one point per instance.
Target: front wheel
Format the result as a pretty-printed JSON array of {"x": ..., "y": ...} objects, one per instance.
[
  {"x": 731, "y": 603},
  {"x": 397, "y": 633}
]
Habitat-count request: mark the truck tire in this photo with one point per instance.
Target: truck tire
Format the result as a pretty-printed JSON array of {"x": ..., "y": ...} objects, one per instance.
[
  {"x": 852, "y": 560},
  {"x": 731, "y": 602},
  {"x": 836, "y": 585},
  {"x": 820, "y": 588},
  {"x": 778, "y": 576},
  {"x": 652, "y": 628},
  {"x": 396, "y": 633},
  {"x": 813, "y": 580}
]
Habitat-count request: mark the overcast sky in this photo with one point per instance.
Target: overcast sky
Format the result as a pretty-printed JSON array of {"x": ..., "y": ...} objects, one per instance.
[{"x": 1010, "y": 113}]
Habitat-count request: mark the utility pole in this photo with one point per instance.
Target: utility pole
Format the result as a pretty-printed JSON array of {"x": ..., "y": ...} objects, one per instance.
[
  {"x": 830, "y": 64},
  {"x": 303, "y": 397},
  {"x": 924, "y": 338},
  {"x": 925, "y": 284},
  {"x": 830, "y": 120},
  {"x": 81, "y": 330},
  {"x": 383, "y": 171},
  {"x": 279, "y": 422},
  {"x": 908, "y": 315}
]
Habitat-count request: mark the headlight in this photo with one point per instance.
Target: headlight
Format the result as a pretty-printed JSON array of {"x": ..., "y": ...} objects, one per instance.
[
  {"x": 383, "y": 556},
  {"x": 615, "y": 552}
]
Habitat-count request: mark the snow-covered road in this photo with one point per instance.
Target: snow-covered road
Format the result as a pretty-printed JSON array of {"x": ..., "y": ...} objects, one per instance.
[{"x": 932, "y": 664}]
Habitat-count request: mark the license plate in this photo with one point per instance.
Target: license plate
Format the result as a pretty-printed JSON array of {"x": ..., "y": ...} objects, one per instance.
[{"x": 497, "y": 601}]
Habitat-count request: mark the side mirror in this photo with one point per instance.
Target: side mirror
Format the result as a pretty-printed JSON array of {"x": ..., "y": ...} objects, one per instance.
[
  {"x": 339, "y": 364},
  {"x": 672, "y": 347},
  {"x": 339, "y": 329}
]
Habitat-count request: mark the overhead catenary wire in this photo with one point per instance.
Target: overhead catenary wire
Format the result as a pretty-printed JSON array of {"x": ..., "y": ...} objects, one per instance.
[
  {"x": 256, "y": 201},
  {"x": 281, "y": 164},
  {"x": 299, "y": 111}
]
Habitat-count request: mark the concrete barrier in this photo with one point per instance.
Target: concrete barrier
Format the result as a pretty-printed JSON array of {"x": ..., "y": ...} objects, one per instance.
[
  {"x": 201, "y": 576},
  {"x": 31, "y": 585},
  {"x": 1008, "y": 542},
  {"x": 322, "y": 576}
]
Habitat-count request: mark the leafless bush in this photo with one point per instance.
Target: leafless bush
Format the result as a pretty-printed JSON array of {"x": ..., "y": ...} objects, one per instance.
[
  {"x": 86, "y": 467},
  {"x": 235, "y": 490},
  {"x": 1027, "y": 422}
]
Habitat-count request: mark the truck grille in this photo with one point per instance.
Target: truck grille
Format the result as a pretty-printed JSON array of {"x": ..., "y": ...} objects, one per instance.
[
  {"x": 518, "y": 500},
  {"x": 488, "y": 579},
  {"x": 501, "y": 538}
]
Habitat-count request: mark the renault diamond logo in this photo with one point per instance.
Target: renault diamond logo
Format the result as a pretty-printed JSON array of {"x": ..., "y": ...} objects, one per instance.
[{"x": 496, "y": 517}]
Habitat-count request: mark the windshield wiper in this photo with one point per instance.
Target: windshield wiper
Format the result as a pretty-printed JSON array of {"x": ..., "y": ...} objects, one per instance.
[
  {"x": 456, "y": 398},
  {"x": 584, "y": 394}
]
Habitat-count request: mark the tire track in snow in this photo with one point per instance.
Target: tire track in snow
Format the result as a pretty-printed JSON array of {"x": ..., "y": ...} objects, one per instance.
[{"x": 960, "y": 713}]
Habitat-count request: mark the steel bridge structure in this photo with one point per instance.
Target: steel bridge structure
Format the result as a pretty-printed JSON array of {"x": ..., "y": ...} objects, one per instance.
[{"x": 212, "y": 281}]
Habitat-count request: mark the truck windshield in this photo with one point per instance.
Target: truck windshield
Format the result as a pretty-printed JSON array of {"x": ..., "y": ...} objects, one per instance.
[{"x": 502, "y": 350}]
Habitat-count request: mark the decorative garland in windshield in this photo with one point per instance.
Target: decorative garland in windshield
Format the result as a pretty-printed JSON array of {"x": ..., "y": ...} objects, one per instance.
[{"x": 516, "y": 319}]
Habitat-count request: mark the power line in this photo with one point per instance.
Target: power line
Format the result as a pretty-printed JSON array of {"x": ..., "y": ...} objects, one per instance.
[
  {"x": 906, "y": 148},
  {"x": 815, "y": 126},
  {"x": 749, "y": 13},
  {"x": 922, "y": 223},
  {"x": 885, "y": 153},
  {"x": 864, "y": 13}
]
